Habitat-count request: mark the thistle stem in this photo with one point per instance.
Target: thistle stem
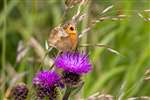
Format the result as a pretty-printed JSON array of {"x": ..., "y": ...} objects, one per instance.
[{"x": 67, "y": 94}]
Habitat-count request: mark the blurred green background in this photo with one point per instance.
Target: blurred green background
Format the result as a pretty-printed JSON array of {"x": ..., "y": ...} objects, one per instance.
[{"x": 26, "y": 24}]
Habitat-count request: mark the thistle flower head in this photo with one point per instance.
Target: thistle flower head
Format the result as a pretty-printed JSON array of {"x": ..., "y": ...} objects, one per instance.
[
  {"x": 45, "y": 83},
  {"x": 74, "y": 62},
  {"x": 46, "y": 79},
  {"x": 19, "y": 92}
]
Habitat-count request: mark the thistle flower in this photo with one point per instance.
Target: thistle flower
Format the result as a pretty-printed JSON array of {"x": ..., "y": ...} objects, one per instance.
[
  {"x": 19, "y": 92},
  {"x": 45, "y": 83},
  {"x": 74, "y": 62},
  {"x": 74, "y": 65}
]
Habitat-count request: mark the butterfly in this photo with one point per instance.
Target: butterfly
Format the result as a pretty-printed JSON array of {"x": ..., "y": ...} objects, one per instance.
[{"x": 64, "y": 38}]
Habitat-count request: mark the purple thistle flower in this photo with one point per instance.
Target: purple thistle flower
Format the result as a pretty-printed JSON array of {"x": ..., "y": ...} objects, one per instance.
[
  {"x": 45, "y": 83},
  {"x": 74, "y": 62},
  {"x": 46, "y": 79}
]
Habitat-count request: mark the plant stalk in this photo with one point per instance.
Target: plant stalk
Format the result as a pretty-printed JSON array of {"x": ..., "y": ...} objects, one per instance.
[{"x": 67, "y": 94}]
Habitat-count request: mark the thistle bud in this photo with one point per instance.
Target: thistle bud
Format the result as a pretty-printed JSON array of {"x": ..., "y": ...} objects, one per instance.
[{"x": 19, "y": 92}]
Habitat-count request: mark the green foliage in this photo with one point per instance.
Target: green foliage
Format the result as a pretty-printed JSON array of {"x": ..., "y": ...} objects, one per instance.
[{"x": 119, "y": 75}]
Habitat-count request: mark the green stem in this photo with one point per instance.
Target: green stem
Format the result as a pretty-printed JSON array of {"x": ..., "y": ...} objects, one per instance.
[
  {"x": 67, "y": 93},
  {"x": 4, "y": 48}
]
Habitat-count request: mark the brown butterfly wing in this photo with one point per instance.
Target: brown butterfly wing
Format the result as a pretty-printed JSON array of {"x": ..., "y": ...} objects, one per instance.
[
  {"x": 53, "y": 37},
  {"x": 58, "y": 38},
  {"x": 64, "y": 44}
]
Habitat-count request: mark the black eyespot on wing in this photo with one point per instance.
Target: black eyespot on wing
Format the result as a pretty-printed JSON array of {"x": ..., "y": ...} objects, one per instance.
[{"x": 71, "y": 28}]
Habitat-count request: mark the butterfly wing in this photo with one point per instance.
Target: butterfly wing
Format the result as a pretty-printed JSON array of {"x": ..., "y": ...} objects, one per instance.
[{"x": 56, "y": 36}]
